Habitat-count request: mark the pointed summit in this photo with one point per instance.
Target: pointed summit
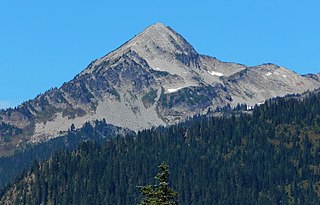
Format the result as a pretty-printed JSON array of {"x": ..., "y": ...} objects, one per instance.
[
  {"x": 159, "y": 39},
  {"x": 160, "y": 46},
  {"x": 159, "y": 30},
  {"x": 157, "y": 27}
]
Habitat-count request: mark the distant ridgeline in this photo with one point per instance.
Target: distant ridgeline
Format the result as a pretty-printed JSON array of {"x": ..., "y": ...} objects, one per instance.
[{"x": 268, "y": 157}]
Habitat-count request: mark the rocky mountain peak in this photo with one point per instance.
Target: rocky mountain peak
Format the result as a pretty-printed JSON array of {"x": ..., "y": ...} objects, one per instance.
[
  {"x": 156, "y": 78},
  {"x": 156, "y": 29},
  {"x": 160, "y": 39},
  {"x": 159, "y": 45}
]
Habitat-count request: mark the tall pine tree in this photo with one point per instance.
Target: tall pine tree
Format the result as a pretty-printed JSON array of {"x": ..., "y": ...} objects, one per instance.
[{"x": 160, "y": 194}]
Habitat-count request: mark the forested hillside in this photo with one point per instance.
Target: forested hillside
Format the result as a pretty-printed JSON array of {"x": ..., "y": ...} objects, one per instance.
[
  {"x": 13, "y": 166},
  {"x": 270, "y": 156}
]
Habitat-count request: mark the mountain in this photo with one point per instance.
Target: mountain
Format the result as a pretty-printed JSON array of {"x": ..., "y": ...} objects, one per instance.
[
  {"x": 268, "y": 157},
  {"x": 156, "y": 78}
]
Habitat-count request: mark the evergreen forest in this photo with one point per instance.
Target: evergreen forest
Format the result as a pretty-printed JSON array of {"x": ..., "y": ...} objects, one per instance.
[{"x": 268, "y": 156}]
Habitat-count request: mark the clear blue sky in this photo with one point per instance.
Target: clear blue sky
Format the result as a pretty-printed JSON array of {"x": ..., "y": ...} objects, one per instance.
[{"x": 45, "y": 43}]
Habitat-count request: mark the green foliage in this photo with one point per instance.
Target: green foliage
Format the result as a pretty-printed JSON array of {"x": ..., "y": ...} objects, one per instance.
[
  {"x": 11, "y": 167},
  {"x": 160, "y": 194},
  {"x": 268, "y": 157}
]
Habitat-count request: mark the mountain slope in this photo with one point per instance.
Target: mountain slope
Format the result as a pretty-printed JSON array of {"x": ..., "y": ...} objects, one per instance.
[
  {"x": 258, "y": 83},
  {"x": 13, "y": 166},
  {"x": 269, "y": 157},
  {"x": 156, "y": 78}
]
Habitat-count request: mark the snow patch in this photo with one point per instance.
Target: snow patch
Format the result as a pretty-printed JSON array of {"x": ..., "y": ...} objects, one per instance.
[
  {"x": 249, "y": 107},
  {"x": 268, "y": 74},
  {"x": 171, "y": 90},
  {"x": 284, "y": 76},
  {"x": 215, "y": 73}
]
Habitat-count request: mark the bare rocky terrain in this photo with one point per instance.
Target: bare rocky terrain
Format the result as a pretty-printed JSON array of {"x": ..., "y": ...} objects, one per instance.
[{"x": 156, "y": 78}]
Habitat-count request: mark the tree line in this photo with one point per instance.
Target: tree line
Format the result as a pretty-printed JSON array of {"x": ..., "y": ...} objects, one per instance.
[{"x": 270, "y": 156}]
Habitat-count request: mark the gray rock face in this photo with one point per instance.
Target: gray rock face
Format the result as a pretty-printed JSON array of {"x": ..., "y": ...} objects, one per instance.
[{"x": 156, "y": 78}]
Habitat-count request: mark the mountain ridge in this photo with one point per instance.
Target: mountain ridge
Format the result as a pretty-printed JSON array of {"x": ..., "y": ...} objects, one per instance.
[{"x": 156, "y": 78}]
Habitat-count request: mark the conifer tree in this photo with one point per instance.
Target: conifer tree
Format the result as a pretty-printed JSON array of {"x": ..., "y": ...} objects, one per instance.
[{"x": 160, "y": 194}]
